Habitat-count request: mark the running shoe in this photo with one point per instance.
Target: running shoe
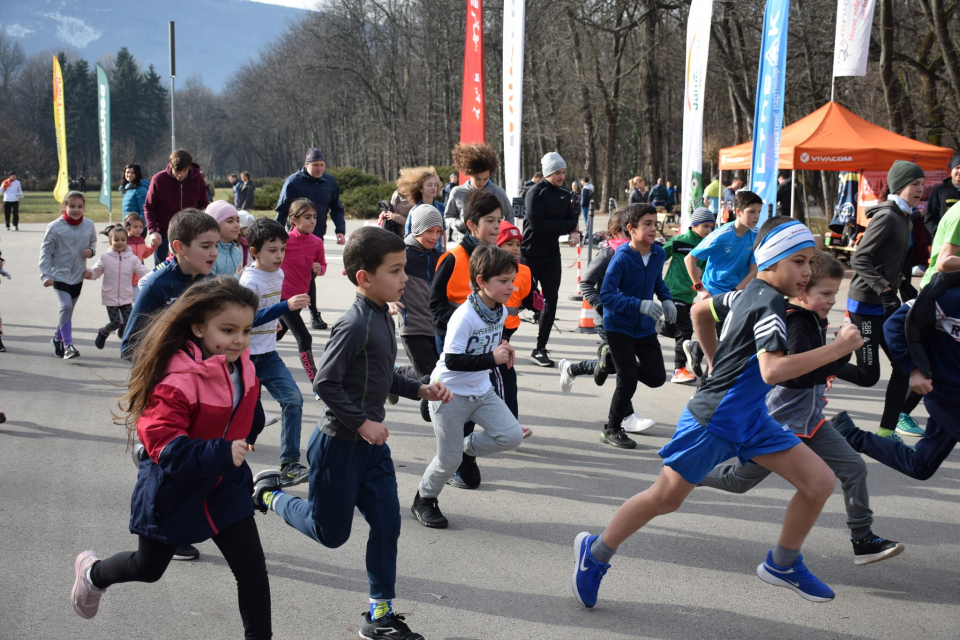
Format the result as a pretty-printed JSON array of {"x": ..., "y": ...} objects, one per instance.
[
  {"x": 265, "y": 482},
  {"x": 70, "y": 352},
  {"x": 469, "y": 472},
  {"x": 797, "y": 578},
  {"x": 587, "y": 571},
  {"x": 604, "y": 365},
  {"x": 3, "y": 349},
  {"x": 873, "y": 548},
  {"x": 456, "y": 481},
  {"x": 617, "y": 438},
  {"x": 427, "y": 511},
  {"x": 138, "y": 454},
  {"x": 292, "y": 474},
  {"x": 682, "y": 376},
  {"x": 907, "y": 426},
  {"x": 316, "y": 322},
  {"x": 425, "y": 410},
  {"x": 691, "y": 349},
  {"x": 85, "y": 597},
  {"x": 566, "y": 377},
  {"x": 269, "y": 419},
  {"x": 389, "y": 627},
  {"x": 101, "y": 340},
  {"x": 635, "y": 424},
  {"x": 526, "y": 432},
  {"x": 57, "y": 347},
  {"x": 540, "y": 358},
  {"x": 186, "y": 552}
]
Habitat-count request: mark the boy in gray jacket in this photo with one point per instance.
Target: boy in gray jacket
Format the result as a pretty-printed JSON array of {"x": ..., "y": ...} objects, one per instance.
[
  {"x": 70, "y": 240},
  {"x": 799, "y": 404}
]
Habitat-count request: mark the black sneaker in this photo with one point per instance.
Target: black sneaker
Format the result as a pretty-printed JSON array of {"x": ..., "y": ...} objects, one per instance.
[
  {"x": 873, "y": 548},
  {"x": 101, "y": 339},
  {"x": 618, "y": 438},
  {"x": 3, "y": 417},
  {"x": 604, "y": 365},
  {"x": 70, "y": 352},
  {"x": 540, "y": 358},
  {"x": 389, "y": 627},
  {"x": 264, "y": 482},
  {"x": 57, "y": 347},
  {"x": 427, "y": 511},
  {"x": 691, "y": 349},
  {"x": 469, "y": 472},
  {"x": 316, "y": 321},
  {"x": 292, "y": 474},
  {"x": 186, "y": 552},
  {"x": 425, "y": 410},
  {"x": 3, "y": 349},
  {"x": 120, "y": 333}
]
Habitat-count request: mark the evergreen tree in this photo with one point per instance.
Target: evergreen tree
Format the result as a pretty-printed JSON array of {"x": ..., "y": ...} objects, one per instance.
[
  {"x": 80, "y": 115},
  {"x": 126, "y": 98},
  {"x": 155, "y": 123}
]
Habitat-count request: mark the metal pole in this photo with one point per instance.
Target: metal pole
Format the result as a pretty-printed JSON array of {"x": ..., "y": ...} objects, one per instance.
[
  {"x": 833, "y": 82},
  {"x": 173, "y": 76},
  {"x": 793, "y": 190},
  {"x": 593, "y": 209}
]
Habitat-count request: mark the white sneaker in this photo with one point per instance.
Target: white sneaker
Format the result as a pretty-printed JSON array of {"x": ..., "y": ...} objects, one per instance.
[
  {"x": 566, "y": 378},
  {"x": 917, "y": 271},
  {"x": 270, "y": 419},
  {"x": 636, "y": 424}
]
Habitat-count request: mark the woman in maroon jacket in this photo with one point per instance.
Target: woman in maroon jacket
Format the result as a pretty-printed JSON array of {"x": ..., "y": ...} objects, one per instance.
[{"x": 179, "y": 186}]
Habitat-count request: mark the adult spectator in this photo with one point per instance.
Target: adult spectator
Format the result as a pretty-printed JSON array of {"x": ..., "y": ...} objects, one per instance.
[
  {"x": 730, "y": 193},
  {"x": 575, "y": 195},
  {"x": 12, "y": 195},
  {"x": 83, "y": 182},
  {"x": 312, "y": 182},
  {"x": 133, "y": 189},
  {"x": 643, "y": 189},
  {"x": 180, "y": 186},
  {"x": 549, "y": 216},
  {"x": 244, "y": 195},
  {"x": 784, "y": 194},
  {"x": 452, "y": 182},
  {"x": 477, "y": 162},
  {"x": 586, "y": 197},
  {"x": 659, "y": 195},
  {"x": 671, "y": 195},
  {"x": 711, "y": 195},
  {"x": 235, "y": 185},
  {"x": 636, "y": 196},
  {"x": 942, "y": 197},
  {"x": 211, "y": 189}
]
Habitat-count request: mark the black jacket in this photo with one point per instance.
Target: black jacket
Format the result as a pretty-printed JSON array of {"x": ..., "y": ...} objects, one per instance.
[
  {"x": 878, "y": 260},
  {"x": 784, "y": 191},
  {"x": 549, "y": 216},
  {"x": 942, "y": 197}
]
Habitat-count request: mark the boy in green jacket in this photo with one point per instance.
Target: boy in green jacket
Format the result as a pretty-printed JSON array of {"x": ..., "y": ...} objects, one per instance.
[{"x": 681, "y": 288}]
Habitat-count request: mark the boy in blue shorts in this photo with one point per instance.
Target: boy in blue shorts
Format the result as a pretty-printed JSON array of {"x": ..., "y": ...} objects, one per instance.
[
  {"x": 728, "y": 251},
  {"x": 728, "y": 418}
]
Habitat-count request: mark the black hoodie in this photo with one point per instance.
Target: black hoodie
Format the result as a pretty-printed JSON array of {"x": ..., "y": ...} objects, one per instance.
[
  {"x": 878, "y": 260},
  {"x": 942, "y": 197}
]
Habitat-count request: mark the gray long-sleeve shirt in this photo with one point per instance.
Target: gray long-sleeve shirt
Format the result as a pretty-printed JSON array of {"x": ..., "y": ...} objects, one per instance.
[
  {"x": 61, "y": 254},
  {"x": 356, "y": 373}
]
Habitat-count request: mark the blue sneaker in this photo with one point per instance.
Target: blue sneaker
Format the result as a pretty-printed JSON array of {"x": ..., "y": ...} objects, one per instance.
[
  {"x": 797, "y": 577},
  {"x": 587, "y": 571},
  {"x": 907, "y": 426}
]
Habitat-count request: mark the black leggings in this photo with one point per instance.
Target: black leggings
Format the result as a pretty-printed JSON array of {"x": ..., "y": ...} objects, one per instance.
[
  {"x": 240, "y": 546},
  {"x": 313, "y": 296},
  {"x": 626, "y": 352},
  {"x": 547, "y": 271},
  {"x": 898, "y": 398},
  {"x": 11, "y": 208},
  {"x": 292, "y": 322}
]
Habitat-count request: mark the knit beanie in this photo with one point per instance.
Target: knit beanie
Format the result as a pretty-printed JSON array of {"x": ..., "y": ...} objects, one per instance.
[
  {"x": 551, "y": 163},
  {"x": 423, "y": 217},
  {"x": 315, "y": 155},
  {"x": 508, "y": 232},
  {"x": 954, "y": 161},
  {"x": 901, "y": 174},
  {"x": 701, "y": 215},
  {"x": 221, "y": 210}
]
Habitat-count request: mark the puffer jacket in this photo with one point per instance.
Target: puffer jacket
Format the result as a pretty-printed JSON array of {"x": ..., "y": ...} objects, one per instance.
[
  {"x": 61, "y": 254},
  {"x": 134, "y": 197},
  {"x": 303, "y": 249},
  {"x": 119, "y": 271},
  {"x": 140, "y": 249},
  {"x": 167, "y": 196},
  {"x": 188, "y": 490},
  {"x": 416, "y": 319}
]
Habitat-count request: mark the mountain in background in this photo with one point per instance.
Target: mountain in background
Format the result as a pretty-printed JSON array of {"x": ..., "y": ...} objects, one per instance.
[{"x": 214, "y": 37}]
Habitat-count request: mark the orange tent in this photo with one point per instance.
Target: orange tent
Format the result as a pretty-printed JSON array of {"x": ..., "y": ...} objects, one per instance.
[{"x": 833, "y": 138}]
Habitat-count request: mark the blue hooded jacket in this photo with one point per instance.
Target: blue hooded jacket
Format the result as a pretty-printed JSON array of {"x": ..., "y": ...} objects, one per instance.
[
  {"x": 626, "y": 284},
  {"x": 323, "y": 192},
  {"x": 133, "y": 199}
]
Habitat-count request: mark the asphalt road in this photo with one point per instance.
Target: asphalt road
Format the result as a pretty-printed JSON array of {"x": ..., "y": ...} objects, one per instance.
[{"x": 502, "y": 570}]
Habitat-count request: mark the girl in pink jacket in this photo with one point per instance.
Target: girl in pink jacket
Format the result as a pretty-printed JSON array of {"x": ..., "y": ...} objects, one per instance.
[
  {"x": 303, "y": 261},
  {"x": 119, "y": 268}
]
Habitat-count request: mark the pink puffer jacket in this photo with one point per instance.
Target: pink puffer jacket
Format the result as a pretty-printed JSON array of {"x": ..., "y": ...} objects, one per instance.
[{"x": 118, "y": 271}]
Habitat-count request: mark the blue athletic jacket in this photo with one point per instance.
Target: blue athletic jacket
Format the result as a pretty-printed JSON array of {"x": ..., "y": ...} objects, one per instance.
[{"x": 626, "y": 284}]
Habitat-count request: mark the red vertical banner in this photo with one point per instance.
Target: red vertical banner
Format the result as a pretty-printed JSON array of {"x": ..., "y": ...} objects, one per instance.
[{"x": 473, "y": 109}]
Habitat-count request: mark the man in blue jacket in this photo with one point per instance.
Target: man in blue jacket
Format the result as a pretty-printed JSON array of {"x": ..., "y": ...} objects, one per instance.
[
  {"x": 630, "y": 317},
  {"x": 322, "y": 190}
]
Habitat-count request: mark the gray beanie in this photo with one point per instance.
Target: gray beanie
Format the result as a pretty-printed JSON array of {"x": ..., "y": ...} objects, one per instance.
[
  {"x": 901, "y": 174},
  {"x": 701, "y": 215},
  {"x": 423, "y": 217},
  {"x": 551, "y": 163}
]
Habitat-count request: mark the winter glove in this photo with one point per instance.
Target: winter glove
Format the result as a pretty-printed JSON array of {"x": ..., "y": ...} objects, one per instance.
[
  {"x": 537, "y": 301},
  {"x": 669, "y": 312},
  {"x": 890, "y": 301},
  {"x": 653, "y": 309}
]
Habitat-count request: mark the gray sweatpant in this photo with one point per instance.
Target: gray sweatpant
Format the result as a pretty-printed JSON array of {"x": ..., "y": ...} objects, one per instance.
[
  {"x": 846, "y": 463},
  {"x": 501, "y": 432}
]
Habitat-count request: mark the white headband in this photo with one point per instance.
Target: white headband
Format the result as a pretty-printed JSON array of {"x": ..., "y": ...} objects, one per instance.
[{"x": 783, "y": 241}]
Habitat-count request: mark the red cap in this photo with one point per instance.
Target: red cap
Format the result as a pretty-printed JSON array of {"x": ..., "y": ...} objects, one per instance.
[{"x": 508, "y": 232}]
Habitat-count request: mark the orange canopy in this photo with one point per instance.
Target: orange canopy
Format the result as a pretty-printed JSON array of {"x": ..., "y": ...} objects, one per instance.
[{"x": 833, "y": 138}]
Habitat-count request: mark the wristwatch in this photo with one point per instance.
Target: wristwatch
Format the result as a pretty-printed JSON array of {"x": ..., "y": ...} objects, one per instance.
[{"x": 697, "y": 286}]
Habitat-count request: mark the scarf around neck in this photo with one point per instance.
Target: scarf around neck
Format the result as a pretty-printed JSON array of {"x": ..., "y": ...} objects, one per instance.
[
  {"x": 71, "y": 221},
  {"x": 488, "y": 315}
]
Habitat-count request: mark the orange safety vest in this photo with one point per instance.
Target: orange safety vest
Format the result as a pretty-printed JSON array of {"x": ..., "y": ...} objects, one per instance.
[
  {"x": 521, "y": 289},
  {"x": 458, "y": 287}
]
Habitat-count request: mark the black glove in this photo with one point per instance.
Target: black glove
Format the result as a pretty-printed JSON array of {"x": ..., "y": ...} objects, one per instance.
[{"x": 890, "y": 301}]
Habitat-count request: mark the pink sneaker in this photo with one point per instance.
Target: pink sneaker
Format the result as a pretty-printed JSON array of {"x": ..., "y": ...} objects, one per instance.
[
  {"x": 526, "y": 432},
  {"x": 85, "y": 597}
]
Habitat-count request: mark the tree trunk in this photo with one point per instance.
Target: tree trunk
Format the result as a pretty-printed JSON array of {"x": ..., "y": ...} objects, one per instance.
[
  {"x": 589, "y": 145},
  {"x": 649, "y": 97},
  {"x": 939, "y": 18},
  {"x": 892, "y": 93}
]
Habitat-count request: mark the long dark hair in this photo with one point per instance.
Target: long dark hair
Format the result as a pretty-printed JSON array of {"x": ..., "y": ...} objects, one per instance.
[
  {"x": 168, "y": 332},
  {"x": 137, "y": 176}
]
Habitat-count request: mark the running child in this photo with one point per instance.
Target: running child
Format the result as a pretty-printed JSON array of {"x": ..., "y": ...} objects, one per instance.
[
  {"x": 728, "y": 251},
  {"x": 474, "y": 346},
  {"x": 303, "y": 260},
  {"x": 119, "y": 267},
  {"x": 799, "y": 404},
  {"x": 350, "y": 463},
  {"x": 590, "y": 284},
  {"x": 229, "y": 256},
  {"x": 191, "y": 399},
  {"x": 133, "y": 223},
  {"x": 630, "y": 318},
  {"x": 6, "y": 275},
  {"x": 727, "y": 417},
  {"x": 69, "y": 241},
  {"x": 681, "y": 288},
  {"x": 265, "y": 278}
]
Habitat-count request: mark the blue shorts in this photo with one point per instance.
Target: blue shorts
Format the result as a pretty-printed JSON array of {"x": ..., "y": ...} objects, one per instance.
[{"x": 694, "y": 451}]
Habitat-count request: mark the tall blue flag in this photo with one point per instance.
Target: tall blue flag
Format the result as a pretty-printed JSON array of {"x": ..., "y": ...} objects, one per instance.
[{"x": 768, "y": 115}]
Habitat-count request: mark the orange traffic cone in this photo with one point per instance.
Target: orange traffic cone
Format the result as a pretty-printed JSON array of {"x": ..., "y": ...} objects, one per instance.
[{"x": 587, "y": 315}]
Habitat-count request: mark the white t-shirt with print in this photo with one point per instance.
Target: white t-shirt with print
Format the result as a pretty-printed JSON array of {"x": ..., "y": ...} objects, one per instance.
[
  {"x": 467, "y": 333},
  {"x": 268, "y": 285}
]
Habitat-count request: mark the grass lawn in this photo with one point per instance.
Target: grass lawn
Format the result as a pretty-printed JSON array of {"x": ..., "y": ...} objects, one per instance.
[{"x": 40, "y": 206}]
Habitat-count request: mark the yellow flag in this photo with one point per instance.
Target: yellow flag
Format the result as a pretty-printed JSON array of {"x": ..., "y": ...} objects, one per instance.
[{"x": 59, "y": 120}]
